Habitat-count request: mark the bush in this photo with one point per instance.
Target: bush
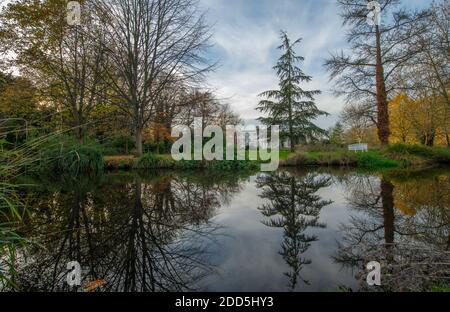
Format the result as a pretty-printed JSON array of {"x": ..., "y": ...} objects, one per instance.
[
  {"x": 153, "y": 161},
  {"x": 148, "y": 161},
  {"x": 437, "y": 154},
  {"x": 65, "y": 154},
  {"x": 120, "y": 162}
]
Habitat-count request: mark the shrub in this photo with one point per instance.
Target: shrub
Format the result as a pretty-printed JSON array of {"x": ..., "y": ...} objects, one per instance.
[
  {"x": 148, "y": 161},
  {"x": 120, "y": 162},
  {"x": 438, "y": 154},
  {"x": 64, "y": 154},
  {"x": 296, "y": 160},
  {"x": 154, "y": 161}
]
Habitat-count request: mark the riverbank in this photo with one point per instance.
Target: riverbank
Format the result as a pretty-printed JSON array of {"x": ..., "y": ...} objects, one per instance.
[{"x": 395, "y": 156}]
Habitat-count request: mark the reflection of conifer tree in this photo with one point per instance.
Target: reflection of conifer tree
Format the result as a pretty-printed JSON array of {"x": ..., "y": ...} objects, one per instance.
[{"x": 294, "y": 206}]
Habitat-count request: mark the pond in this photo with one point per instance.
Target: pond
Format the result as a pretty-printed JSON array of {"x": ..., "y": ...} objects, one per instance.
[{"x": 290, "y": 230}]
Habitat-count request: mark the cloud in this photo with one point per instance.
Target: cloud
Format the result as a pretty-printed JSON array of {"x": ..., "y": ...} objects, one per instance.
[{"x": 246, "y": 36}]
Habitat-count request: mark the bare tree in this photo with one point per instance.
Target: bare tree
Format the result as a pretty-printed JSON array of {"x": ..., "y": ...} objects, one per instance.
[
  {"x": 378, "y": 52},
  {"x": 429, "y": 71},
  {"x": 154, "y": 43},
  {"x": 358, "y": 117},
  {"x": 205, "y": 105}
]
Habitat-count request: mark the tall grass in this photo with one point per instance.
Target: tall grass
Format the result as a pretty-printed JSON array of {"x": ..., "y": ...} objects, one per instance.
[
  {"x": 48, "y": 153},
  {"x": 65, "y": 154},
  {"x": 10, "y": 215}
]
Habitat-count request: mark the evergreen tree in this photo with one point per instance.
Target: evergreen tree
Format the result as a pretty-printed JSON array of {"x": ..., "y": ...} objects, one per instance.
[
  {"x": 337, "y": 134},
  {"x": 291, "y": 107}
]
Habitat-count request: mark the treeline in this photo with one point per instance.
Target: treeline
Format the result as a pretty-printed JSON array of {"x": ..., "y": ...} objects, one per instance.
[
  {"x": 129, "y": 71},
  {"x": 395, "y": 76}
]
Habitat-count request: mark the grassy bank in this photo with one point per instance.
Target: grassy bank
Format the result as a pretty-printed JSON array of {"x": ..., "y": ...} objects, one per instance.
[
  {"x": 393, "y": 156},
  {"x": 154, "y": 161}
]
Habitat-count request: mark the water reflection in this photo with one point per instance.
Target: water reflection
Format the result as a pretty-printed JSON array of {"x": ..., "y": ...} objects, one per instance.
[
  {"x": 134, "y": 233},
  {"x": 287, "y": 229},
  {"x": 292, "y": 204},
  {"x": 402, "y": 223}
]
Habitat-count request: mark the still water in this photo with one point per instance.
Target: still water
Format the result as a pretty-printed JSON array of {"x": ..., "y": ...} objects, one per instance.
[{"x": 291, "y": 230}]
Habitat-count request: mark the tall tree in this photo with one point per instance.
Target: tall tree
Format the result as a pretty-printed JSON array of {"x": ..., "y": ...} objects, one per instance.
[
  {"x": 429, "y": 71},
  {"x": 378, "y": 51},
  {"x": 291, "y": 107},
  {"x": 67, "y": 63},
  {"x": 155, "y": 43}
]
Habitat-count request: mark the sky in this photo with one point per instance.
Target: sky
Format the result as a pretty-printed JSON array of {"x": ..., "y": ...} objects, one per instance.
[{"x": 245, "y": 39}]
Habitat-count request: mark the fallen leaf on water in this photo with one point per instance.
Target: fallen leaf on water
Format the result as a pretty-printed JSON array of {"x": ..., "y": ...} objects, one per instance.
[{"x": 94, "y": 285}]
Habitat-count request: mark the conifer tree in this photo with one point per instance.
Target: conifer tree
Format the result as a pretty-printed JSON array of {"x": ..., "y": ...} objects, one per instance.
[{"x": 291, "y": 107}]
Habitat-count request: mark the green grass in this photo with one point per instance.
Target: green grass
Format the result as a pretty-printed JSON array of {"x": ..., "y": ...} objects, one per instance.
[
  {"x": 371, "y": 159},
  {"x": 441, "y": 288},
  {"x": 374, "y": 159},
  {"x": 393, "y": 156},
  {"x": 285, "y": 154}
]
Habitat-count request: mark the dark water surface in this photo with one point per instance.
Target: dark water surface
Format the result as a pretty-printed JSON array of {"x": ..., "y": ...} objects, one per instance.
[{"x": 299, "y": 230}]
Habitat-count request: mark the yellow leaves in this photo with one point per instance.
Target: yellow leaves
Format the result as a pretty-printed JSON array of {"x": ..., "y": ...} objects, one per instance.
[
  {"x": 417, "y": 194},
  {"x": 404, "y": 208},
  {"x": 423, "y": 120}
]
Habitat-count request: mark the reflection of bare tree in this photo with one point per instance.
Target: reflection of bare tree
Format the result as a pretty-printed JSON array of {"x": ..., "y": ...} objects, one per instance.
[
  {"x": 294, "y": 206},
  {"x": 409, "y": 245},
  {"x": 136, "y": 234}
]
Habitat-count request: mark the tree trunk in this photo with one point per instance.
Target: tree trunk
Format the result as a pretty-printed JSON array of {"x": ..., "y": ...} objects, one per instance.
[
  {"x": 80, "y": 134},
  {"x": 138, "y": 139},
  {"x": 387, "y": 197},
  {"x": 382, "y": 106},
  {"x": 291, "y": 130},
  {"x": 157, "y": 139}
]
